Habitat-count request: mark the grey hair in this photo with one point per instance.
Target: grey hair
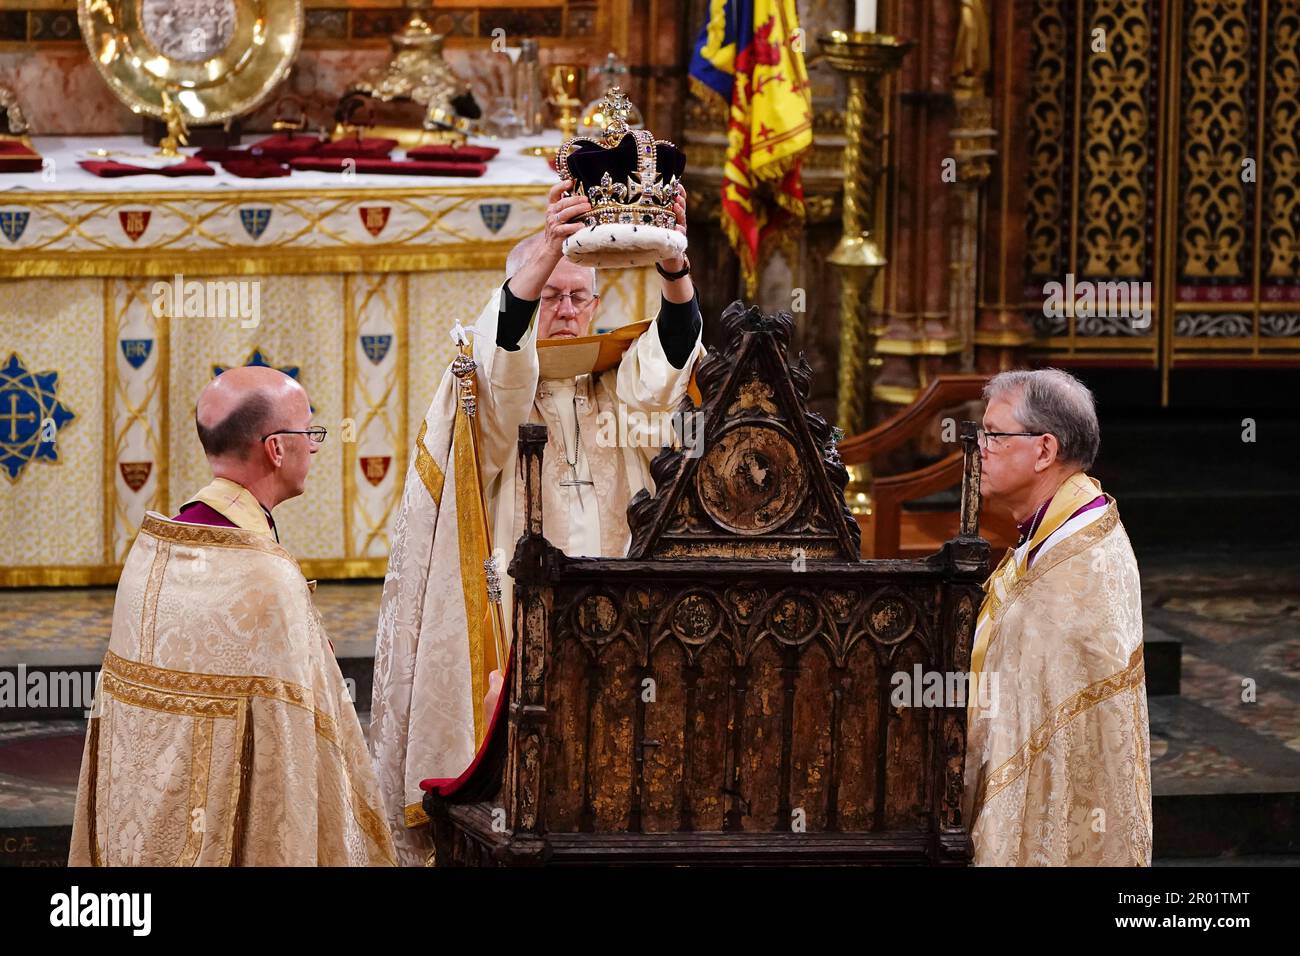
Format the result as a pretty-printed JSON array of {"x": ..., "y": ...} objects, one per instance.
[
  {"x": 524, "y": 250},
  {"x": 1056, "y": 402}
]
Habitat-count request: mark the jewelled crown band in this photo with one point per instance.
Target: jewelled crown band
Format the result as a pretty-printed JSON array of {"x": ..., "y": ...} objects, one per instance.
[{"x": 637, "y": 192}]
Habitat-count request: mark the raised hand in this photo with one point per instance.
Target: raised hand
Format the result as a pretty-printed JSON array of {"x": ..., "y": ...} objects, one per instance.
[{"x": 563, "y": 216}]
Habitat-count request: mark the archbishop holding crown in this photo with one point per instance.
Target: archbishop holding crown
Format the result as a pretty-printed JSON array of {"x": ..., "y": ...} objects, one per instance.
[{"x": 443, "y": 638}]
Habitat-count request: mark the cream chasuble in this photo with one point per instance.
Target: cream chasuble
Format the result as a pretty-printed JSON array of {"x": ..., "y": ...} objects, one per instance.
[
  {"x": 434, "y": 645},
  {"x": 1058, "y": 767},
  {"x": 222, "y": 732}
]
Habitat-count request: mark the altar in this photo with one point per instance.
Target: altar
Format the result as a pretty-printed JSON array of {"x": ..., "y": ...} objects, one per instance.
[{"x": 122, "y": 297}]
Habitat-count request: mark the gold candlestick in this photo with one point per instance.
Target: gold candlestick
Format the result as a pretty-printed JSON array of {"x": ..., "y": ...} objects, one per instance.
[
  {"x": 177, "y": 130},
  {"x": 865, "y": 59},
  {"x": 567, "y": 84}
]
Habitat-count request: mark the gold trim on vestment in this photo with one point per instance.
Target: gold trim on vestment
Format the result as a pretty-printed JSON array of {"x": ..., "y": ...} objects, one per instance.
[
  {"x": 237, "y": 811},
  {"x": 200, "y": 768},
  {"x": 327, "y": 728},
  {"x": 186, "y": 705},
  {"x": 1075, "y": 492},
  {"x": 208, "y": 685},
  {"x": 1142, "y": 783},
  {"x": 149, "y": 607},
  {"x": 1067, "y": 549},
  {"x": 430, "y": 474},
  {"x": 92, "y": 788},
  {"x": 226, "y": 695},
  {"x": 108, "y": 724},
  {"x": 1133, "y": 675},
  {"x": 204, "y": 535},
  {"x": 371, "y": 822},
  {"x": 415, "y": 815}
]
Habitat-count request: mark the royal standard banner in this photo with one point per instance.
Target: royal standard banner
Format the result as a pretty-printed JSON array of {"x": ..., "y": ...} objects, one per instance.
[{"x": 750, "y": 56}]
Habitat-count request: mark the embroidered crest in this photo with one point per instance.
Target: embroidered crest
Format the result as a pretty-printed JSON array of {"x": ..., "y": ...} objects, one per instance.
[
  {"x": 255, "y": 220},
  {"x": 374, "y": 218},
  {"x": 30, "y": 417}
]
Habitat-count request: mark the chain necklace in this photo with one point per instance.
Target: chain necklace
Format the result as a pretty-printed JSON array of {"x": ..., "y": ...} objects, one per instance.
[{"x": 575, "y": 482}]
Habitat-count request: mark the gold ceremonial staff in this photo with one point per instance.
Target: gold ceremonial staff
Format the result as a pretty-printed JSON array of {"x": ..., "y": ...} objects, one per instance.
[{"x": 464, "y": 368}]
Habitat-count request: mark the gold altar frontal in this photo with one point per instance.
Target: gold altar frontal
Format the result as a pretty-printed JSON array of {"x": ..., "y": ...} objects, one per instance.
[{"x": 357, "y": 287}]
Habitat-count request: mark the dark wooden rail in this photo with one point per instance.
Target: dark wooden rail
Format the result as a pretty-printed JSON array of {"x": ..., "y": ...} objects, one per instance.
[{"x": 892, "y": 532}]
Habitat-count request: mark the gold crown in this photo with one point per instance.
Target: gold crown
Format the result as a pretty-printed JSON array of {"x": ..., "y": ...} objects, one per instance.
[{"x": 642, "y": 198}]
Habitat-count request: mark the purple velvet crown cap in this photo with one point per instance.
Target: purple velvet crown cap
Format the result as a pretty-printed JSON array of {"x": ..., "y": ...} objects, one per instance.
[{"x": 588, "y": 162}]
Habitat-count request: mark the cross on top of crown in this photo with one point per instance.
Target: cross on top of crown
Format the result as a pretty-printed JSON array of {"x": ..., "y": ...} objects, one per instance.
[{"x": 616, "y": 107}]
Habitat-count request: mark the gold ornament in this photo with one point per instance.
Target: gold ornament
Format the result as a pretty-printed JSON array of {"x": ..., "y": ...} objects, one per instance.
[{"x": 214, "y": 59}]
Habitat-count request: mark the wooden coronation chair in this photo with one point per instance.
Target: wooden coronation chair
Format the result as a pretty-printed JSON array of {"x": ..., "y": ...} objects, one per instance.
[{"x": 722, "y": 694}]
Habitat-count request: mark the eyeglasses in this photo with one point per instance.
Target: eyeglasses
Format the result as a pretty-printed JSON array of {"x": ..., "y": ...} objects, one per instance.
[
  {"x": 316, "y": 433},
  {"x": 984, "y": 437},
  {"x": 579, "y": 300}
]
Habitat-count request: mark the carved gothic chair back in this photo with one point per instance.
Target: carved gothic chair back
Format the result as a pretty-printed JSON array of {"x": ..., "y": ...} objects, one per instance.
[{"x": 723, "y": 693}]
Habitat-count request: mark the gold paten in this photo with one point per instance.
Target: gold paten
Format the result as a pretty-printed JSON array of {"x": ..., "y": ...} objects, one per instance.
[{"x": 215, "y": 60}]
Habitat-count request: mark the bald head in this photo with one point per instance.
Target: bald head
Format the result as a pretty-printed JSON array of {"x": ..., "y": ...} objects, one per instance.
[{"x": 241, "y": 405}]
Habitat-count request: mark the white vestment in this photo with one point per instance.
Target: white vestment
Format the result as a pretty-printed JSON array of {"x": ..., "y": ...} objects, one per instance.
[
  {"x": 424, "y": 704},
  {"x": 623, "y": 419}
]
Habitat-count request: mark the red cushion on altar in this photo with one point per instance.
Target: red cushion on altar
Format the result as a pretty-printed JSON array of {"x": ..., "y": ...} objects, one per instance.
[
  {"x": 212, "y": 154},
  {"x": 390, "y": 167},
  {"x": 284, "y": 146},
  {"x": 250, "y": 163},
  {"x": 254, "y": 167},
  {"x": 16, "y": 157},
  {"x": 453, "y": 154},
  {"x": 446, "y": 786},
  {"x": 365, "y": 148},
  {"x": 109, "y": 168}
]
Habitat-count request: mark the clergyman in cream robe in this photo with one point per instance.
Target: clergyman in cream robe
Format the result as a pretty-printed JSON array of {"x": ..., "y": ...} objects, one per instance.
[
  {"x": 1058, "y": 765},
  {"x": 222, "y": 732},
  {"x": 425, "y": 712}
]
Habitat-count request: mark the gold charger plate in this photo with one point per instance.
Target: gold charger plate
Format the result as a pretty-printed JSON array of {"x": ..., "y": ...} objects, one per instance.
[{"x": 217, "y": 58}]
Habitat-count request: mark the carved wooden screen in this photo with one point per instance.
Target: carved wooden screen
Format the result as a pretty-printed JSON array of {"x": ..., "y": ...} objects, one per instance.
[
  {"x": 1163, "y": 149},
  {"x": 724, "y": 692}
]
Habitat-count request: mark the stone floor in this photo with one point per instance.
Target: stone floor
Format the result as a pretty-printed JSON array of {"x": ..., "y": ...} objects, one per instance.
[
  {"x": 1234, "y": 729},
  {"x": 1236, "y": 725}
]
